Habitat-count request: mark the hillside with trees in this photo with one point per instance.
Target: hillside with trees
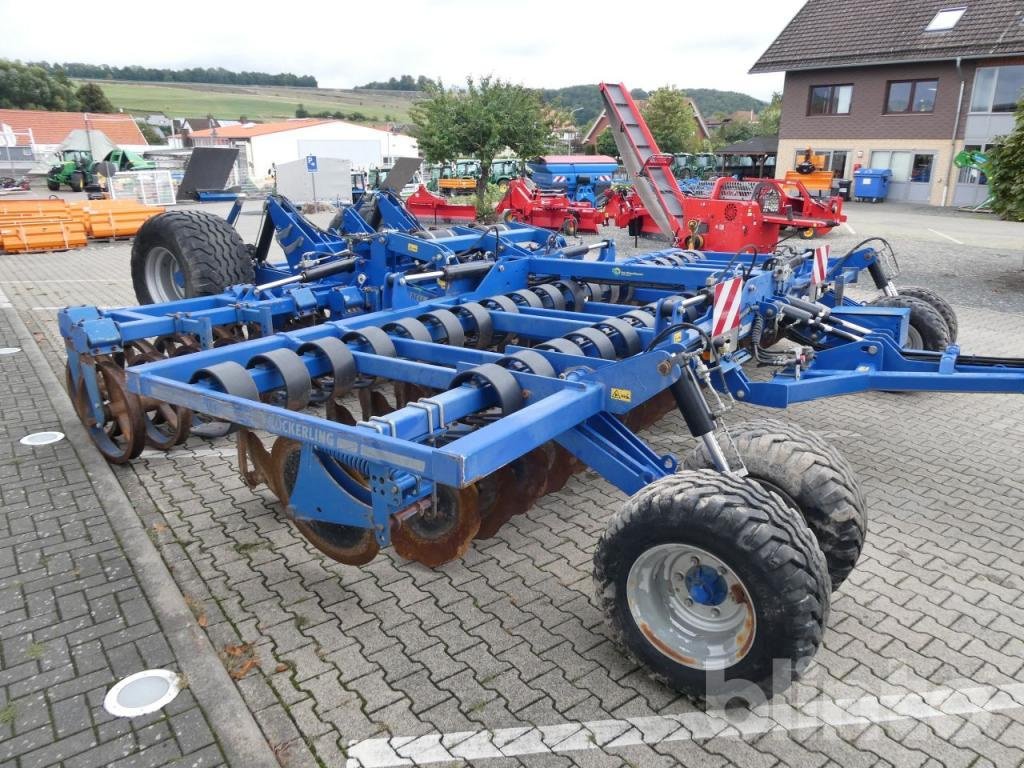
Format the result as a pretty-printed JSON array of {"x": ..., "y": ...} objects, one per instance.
[
  {"x": 25, "y": 86},
  {"x": 403, "y": 83},
  {"x": 209, "y": 75}
]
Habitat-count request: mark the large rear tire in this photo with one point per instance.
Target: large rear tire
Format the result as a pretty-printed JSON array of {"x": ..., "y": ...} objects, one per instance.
[
  {"x": 714, "y": 585},
  {"x": 812, "y": 477},
  {"x": 182, "y": 254},
  {"x": 77, "y": 181},
  {"x": 937, "y": 303},
  {"x": 52, "y": 185},
  {"x": 928, "y": 330}
]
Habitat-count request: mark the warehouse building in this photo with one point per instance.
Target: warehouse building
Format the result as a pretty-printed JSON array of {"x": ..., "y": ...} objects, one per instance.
[
  {"x": 900, "y": 84},
  {"x": 266, "y": 145}
]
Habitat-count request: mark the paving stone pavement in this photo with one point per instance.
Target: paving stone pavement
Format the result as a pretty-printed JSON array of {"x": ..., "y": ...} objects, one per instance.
[{"x": 508, "y": 644}]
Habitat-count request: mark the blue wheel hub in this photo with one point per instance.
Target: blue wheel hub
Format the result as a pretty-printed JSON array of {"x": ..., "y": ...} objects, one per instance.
[{"x": 706, "y": 585}]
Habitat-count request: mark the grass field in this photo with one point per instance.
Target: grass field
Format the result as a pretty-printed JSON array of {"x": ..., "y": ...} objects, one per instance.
[{"x": 230, "y": 102}]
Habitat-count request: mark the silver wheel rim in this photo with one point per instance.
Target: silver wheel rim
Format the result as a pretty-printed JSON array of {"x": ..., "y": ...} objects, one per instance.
[
  {"x": 914, "y": 340},
  {"x": 691, "y": 606},
  {"x": 164, "y": 276}
]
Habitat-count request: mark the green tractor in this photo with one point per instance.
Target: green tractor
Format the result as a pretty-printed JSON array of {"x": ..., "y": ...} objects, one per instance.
[
  {"x": 75, "y": 170},
  {"x": 79, "y": 171}
]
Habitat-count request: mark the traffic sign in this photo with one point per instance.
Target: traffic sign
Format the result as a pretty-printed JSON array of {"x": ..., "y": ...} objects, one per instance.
[{"x": 311, "y": 163}]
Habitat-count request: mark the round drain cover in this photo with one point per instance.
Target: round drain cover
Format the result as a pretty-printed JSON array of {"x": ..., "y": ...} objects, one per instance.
[
  {"x": 142, "y": 693},
  {"x": 42, "y": 438}
]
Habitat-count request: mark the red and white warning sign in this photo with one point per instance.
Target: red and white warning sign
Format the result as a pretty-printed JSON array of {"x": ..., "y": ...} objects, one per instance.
[
  {"x": 726, "y": 313},
  {"x": 820, "y": 264}
]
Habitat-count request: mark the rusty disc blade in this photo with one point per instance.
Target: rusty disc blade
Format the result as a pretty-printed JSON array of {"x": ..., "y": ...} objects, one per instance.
[
  {"x": 122, "y": 434},
  {"x": 562, "y": 468},
  {"x": 492, "y": 490},
  {"x": 251, "y": 451},
  {"x": 347, "y": 544},
  {"x": 407, "y": 392},
  {"x": 282, "y": 467},
  {"x": 442, "y": 532}
]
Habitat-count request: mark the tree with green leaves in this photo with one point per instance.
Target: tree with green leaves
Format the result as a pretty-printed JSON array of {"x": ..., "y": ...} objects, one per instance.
[
  {"x": 152, "y": 135},
  {"x": 1006, "y": 177},
  {"x": 30, "y": 87},
  {"x": 606, "y": 143},
  {"x": 480, "y": 121},
  {"x": 768, "y": 120},
  {"x": 92, "y": 98},
  {"x": 670, "y": 118},
  {"x": 301, "y": 111}
]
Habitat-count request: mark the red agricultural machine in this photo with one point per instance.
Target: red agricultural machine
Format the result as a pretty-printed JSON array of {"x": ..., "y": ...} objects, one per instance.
[
  {"x": 427, "y": 206},
  {"x": 524, "y": 202},
  {"x": 734, "y": 215}
]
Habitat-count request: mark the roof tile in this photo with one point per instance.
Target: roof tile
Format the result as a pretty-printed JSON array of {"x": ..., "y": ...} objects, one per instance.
[
  {"x": 836, "y": 33},
  {"x": 54, "y": 127}
]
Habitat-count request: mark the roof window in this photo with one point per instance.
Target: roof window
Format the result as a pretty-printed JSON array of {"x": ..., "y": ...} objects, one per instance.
[{"x": 945, "y": 19}]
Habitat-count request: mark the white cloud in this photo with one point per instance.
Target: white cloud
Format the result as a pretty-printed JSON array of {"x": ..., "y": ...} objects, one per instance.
[{"x": 540, "y": 43}]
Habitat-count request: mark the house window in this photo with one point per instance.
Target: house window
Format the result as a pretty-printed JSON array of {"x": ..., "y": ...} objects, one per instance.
[
  {"x": 906, "y": 96},
  {"x": 830, "y": 100},
  {"x": 905, "y": 166},
  {"x": 997, "y": 89},
  {"x": 945, "y": 19},
  {"x": 835, "y": 160}
]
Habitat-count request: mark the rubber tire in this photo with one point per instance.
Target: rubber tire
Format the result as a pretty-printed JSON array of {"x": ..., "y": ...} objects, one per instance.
[
  {"x": 814, "y": 476},
  {"x": 210, "y": 251},
  {"x": 923, "y": 318},
  {"x": 764, "y": 541},
  {"x": 937, "y": 303},
  {"x": 77, "y": 181},
  {"x": 52, "y": 185}
]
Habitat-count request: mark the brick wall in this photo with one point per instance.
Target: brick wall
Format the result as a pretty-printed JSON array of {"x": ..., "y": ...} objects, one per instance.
[{"x": 867, "y": 118}]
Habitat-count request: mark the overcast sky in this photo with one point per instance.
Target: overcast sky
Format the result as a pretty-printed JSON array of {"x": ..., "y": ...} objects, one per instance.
[{"x": 540, "y": 43}]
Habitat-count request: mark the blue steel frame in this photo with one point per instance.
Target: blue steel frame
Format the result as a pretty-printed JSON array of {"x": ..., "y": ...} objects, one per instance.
[{"x": 577, "y": 408}]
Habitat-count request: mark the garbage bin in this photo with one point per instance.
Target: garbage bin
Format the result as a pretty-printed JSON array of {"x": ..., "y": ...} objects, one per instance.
[
  {"x": 842, "y": 188},
  {"x": 871, "y": 184}
]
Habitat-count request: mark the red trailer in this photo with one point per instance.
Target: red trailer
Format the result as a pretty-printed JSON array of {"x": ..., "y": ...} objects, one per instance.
[{"x": 551, "y": 210}]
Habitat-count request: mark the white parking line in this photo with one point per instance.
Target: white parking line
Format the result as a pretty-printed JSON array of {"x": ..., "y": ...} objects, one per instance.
[
  {"x": 5, "y": 303},
  {"x": 612, "y": 734},
  {"x": 941, "y": 234},
  {"x": 851, "y": 229}
]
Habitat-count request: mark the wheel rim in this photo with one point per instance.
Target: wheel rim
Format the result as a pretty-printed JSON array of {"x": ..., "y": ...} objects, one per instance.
[
  {"x": 914, "y": 339},
  {"x": 691, "y": 606},
  {"x": 164, "y": 276}
]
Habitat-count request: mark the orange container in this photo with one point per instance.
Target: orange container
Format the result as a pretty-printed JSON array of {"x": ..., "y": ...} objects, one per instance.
[{"x": 37, "y": 205}]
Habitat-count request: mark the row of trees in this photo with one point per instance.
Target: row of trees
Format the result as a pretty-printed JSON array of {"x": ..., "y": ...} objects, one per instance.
[
  {"x": 355, "y": 117},
  {"x": 1006, "y": 177},
  {"x": 211, "y": 75},
  {"x": 25, "y": 86},
  {"x": 403, "y": 83}
]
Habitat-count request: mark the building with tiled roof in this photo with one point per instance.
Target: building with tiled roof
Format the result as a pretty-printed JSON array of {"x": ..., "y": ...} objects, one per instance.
[
  {"x": 900, "y": 84},
  {"x": 49, "y": 129}
]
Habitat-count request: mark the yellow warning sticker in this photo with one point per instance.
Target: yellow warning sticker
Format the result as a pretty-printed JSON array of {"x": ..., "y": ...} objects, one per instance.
[
  {"x": 413, "y": 247},
  {"x": 623, "y": 395},
  {"x": 677, "y": 337}
]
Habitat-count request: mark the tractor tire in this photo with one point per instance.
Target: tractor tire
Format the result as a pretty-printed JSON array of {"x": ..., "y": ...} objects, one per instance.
[
  {"x": 938, "y": 303},
  {"x": 570, "y": 226},
  {"x": 52, "y": 185},
  {"x": 928, "y": 329},
  {"x": 77, "y": 181},
  {"x": 810, "y": 476},
  {"x": 711, "y": 582},
  {"x": 337, "y": 219},
  {"x": 182, "y": 254}
]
